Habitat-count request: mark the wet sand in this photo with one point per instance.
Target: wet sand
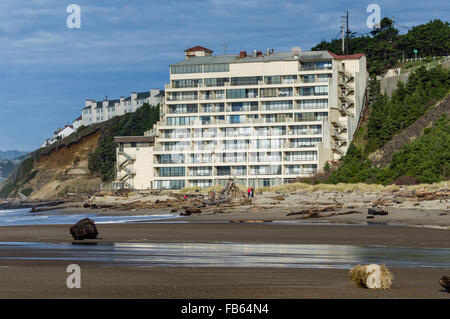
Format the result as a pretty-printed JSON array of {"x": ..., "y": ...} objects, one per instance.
[
  {"x": 47, "y": 279},
  {"x": 400, "y": 236},
  {"x": 43, "y": 280}
]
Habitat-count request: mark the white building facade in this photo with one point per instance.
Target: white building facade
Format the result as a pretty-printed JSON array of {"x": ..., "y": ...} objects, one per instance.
[
  {"x": 262, "y": 119},
  {"x": 100, "y": 111}
]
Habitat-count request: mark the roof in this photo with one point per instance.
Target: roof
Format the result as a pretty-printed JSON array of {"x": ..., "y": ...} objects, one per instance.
[
  {"x": 355, "y": 56},
  {"x": 198, "y": 48},
  {"x": 134, "y": 139},
  {"x": 113, "y": 102},
  {"x": 78, "y": 118},
  {"x": 143, "y": 95},
  {"x": 279, "y": 56}
]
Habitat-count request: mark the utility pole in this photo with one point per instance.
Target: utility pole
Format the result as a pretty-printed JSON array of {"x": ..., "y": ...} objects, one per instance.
[
  {"x": 347, "y": 36},
  {"x": 343, "y": 34},
  {"x": 224, "y": 47}
]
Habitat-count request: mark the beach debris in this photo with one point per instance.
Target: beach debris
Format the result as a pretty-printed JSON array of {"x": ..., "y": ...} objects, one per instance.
[
  {"x": 84, "y": 229},
  {"x": 371, "y": 276},
  {"x": 278, "y": 197},
  {"x": 251, "y": 221},
  {"x": 36, "y": 209},
  {"x": 173, "y": 210},
  {"x": 445, "y": 282},
  {"x": 122, "y": 192},
  {"x": 377, "y": 211},
  {"x": 315, "y": 211},
  {"x": 232, "y": 191},
  {"x": 188, "y": 211}
]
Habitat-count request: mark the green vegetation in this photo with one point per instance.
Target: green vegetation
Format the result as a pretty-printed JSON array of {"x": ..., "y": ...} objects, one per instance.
[
  {"x": 385, "y": 46},
  {"x": 427, "y": 159},
  {"x": 102, "y": 160},
  {"x": 409, "y": 102},
  {"x": 27, "y": 191},
  {"x": 22, "y": 175}
]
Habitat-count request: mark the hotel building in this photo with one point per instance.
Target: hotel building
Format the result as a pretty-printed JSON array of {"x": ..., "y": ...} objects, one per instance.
[{"x": 261, "y": 119}]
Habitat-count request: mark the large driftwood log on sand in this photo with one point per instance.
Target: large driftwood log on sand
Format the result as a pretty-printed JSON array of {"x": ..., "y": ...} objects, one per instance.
[{"x": 84, "y": 229}]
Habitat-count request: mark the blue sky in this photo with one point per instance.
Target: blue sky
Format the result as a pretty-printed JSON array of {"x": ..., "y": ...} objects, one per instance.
[{"x": 47, "y": 70}]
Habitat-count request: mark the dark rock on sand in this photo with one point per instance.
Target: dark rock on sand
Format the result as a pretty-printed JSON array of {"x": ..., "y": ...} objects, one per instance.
[
  {"x": 377, "y": 211},
  {"x": 445, "y": 282},
  {"x": 190, "y": 210},
  {"x": 84, "y": 229}
]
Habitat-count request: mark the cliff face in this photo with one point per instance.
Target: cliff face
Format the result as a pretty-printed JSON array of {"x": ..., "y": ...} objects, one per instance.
[{"x": 57, "y": 172}]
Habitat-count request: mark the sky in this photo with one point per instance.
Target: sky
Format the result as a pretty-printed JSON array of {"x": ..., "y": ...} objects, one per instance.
[{"x": 47, "y": 70}]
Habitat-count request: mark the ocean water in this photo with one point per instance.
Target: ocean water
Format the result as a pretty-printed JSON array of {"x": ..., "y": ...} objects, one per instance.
[
  {"x": 22, "y": 217},
  {"x": 227, "y": 255}
]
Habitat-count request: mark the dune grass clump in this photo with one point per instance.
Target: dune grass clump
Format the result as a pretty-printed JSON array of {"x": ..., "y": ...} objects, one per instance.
[{"x": 359, "y": 276}]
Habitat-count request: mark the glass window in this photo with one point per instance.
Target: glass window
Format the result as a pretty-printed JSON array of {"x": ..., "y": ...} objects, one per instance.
[
  {"x": 221, "y": 67},
  {"x": 180, "y": 69}
]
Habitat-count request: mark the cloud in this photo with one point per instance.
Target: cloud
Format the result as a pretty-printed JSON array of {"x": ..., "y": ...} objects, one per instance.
[{"x": 125, "y": 46}]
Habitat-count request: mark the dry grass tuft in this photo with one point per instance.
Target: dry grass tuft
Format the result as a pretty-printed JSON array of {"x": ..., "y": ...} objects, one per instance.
[{"x": 359, "y": 275}]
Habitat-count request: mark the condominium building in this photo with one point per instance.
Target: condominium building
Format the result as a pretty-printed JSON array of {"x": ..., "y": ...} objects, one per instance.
[
  {"x": 261, "y": 119},
  {"x": 99, "y": 111}
]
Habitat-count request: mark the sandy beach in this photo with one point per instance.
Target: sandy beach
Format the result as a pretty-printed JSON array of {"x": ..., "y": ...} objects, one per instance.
[
  {"x": 47, "y": 279},
  {"x": 413, "y": 218}
]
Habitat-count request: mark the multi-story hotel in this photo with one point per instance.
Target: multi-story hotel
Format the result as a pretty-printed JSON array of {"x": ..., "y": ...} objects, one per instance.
[{"x": 261, "y": 119}]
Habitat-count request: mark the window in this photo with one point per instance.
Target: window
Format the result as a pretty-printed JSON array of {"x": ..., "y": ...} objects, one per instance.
[
  {"x": 201, "y": 183},
  {"x": 301, "y": 156},
  {"x": 182, "y": 120},
  {"x": 312, "y": 66},
  {"x": 201, "y": 171},
  {"x": 189, "y": 83},
  {"x": 180, "y": 69},
  {"x": 174, "y": 184},
  {"x": 276, "y": 105},
  {"x": 240, "y": 170},
  {"x": 170, "y": 159},
  {"x": 272, "y": 92},
  {"x": 216, "y": 81},
  {"x": 247, "y": 80},
  {"x": 223, "y": 170},
  {"x": 171, "y": 171},
  {"x": 266, "y": 170},
  {"x": 242, "y": 93},
  {"x": 222, "y": 67},
  {"x": 323, "y": 77},
  {"x": 276, "y": 79},
  {"x": 312, "y": 104},
  {"x": 312, "y": 116},
  {"x": 183, "y": 108},
  {"x": 305, "y": 142}
]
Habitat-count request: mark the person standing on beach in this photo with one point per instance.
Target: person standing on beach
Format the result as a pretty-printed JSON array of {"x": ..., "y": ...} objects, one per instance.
[{"x": 249, "y": 190}]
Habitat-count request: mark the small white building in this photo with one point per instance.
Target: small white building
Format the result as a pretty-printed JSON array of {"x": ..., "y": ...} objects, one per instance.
[{"x": 58, "y": 135}]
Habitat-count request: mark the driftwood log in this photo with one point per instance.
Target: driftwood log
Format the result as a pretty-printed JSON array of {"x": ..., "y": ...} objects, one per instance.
[
  {"x": 377, "y": 211},
  {"x": 84, "y": 229}
]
